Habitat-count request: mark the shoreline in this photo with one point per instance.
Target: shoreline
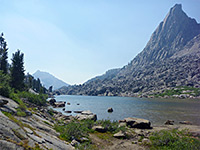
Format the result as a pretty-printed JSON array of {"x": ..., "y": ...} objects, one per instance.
[{"x": 40, "y": 128}]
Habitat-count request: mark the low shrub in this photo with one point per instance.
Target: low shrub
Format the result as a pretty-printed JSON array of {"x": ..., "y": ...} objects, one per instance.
[{"x": 74, "y": 130}]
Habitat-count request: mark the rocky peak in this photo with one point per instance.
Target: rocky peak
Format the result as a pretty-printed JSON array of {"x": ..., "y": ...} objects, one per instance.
[{"x": 170, "y": 36}]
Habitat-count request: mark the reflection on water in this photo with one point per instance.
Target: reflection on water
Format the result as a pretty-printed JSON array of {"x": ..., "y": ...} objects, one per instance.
[{"x": 155, "y": 110}]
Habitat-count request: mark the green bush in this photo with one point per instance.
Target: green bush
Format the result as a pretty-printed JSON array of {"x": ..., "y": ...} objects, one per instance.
[
  {"x": 74, "y": 130},
  {"x": 33, "y": 98},
  {"x": 174, "y": 139},
  {"x": 112, "y": 127}
]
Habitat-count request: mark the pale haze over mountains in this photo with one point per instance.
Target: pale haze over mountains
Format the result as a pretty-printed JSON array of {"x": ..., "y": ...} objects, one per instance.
[
  {"x": 49, "y": 80},
  {"x": 171, "y": 58},
  {"x": 78, "y": 40}
]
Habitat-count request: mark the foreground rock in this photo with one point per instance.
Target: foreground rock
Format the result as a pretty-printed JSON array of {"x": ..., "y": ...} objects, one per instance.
[
  {"x": 18, "y": 133},
  {"x": 86, "y": 115},
  {"x": 120, "y": 135},
  {"x": 138, "y": 123},
  {"x": 99, "y": 129}
]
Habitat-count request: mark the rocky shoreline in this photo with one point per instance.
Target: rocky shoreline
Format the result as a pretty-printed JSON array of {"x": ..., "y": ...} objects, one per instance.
[{"x": 36, "y": 129}]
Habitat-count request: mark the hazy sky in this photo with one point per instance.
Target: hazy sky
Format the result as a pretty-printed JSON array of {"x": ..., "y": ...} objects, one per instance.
[{"x": 76, "y": 40}]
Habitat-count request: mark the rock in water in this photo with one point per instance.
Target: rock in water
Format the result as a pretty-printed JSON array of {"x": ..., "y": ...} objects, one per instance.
[{"x": 110, "y": 110}]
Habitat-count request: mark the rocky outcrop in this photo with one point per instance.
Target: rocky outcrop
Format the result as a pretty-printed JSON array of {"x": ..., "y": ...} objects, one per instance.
[{"x": 16, "y": 133}]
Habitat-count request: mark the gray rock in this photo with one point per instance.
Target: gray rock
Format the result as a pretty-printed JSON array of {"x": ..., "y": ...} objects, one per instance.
[
  {"x": 138, "y": 123},
  {"x": 120, "y": 134},
  {"x": 5, "y": 145},
  {"x": 53, "y": 142},
  {"x": 74, "y": 143},
  {"x": 28, "y": 130},
  {"x": 146, "y": 141},
  {"x": 99, "y": 129},
  {"x": 86, "y": 115},
  {"x": 36, "y": 138},
  {"x": 169, "y": 122},
  {"x": 28, "y": 113},
  {"x": 59, "y": 104},
  {"x": 3, "y": 102}
]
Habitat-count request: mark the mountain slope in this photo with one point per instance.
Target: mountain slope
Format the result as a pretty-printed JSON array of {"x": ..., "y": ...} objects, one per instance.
[
  {"x": 49, "y": 80},
  {"x": 171, "y": 58}
]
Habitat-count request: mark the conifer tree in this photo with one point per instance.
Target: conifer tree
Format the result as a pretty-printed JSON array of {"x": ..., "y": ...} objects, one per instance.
[
  {"x": 17, "y": 71},
  {"x": 3, "y": 55}
]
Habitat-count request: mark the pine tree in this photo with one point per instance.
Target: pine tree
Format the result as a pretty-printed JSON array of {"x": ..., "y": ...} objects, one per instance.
[
  {"x": 17, "y": 71},
  {"x": 3, "y": 55}
]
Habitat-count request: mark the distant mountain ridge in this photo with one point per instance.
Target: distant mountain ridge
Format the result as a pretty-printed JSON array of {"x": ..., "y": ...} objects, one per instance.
[
  {"x": 171, "y": 58},
  {"x": 49, "y": 80}
]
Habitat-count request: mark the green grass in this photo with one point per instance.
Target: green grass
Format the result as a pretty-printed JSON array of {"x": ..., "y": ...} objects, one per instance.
[
  {"x": 11, "y": 117},
  {"x": 179, "y": 90},
  {"x": 20, "y": 113},
  {"x": 174, "y": 140},
  {"x": 104, "y": 136}
]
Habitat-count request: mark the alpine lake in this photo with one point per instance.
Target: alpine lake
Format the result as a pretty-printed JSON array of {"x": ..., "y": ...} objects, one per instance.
[{"x": 156, "y": 110}]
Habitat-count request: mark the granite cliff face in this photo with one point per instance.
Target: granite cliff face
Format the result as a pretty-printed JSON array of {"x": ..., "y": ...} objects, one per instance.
[{"x": 171, "y": 58}]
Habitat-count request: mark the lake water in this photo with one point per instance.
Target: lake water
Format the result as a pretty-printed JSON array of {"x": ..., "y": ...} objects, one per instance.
[{"x": 155, "y": 110}]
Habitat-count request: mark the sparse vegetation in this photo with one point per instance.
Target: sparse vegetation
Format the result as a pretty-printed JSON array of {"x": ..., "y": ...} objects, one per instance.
[
  {"x": 180, "y": 90},
  {"x": 174, "y": 139},
  {"x": 79, "y": 129}
]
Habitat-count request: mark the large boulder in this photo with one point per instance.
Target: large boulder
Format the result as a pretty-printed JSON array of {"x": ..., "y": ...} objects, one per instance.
[
  {"x": 138, "y": 123},
  {"x": 86, "y": 115}
]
